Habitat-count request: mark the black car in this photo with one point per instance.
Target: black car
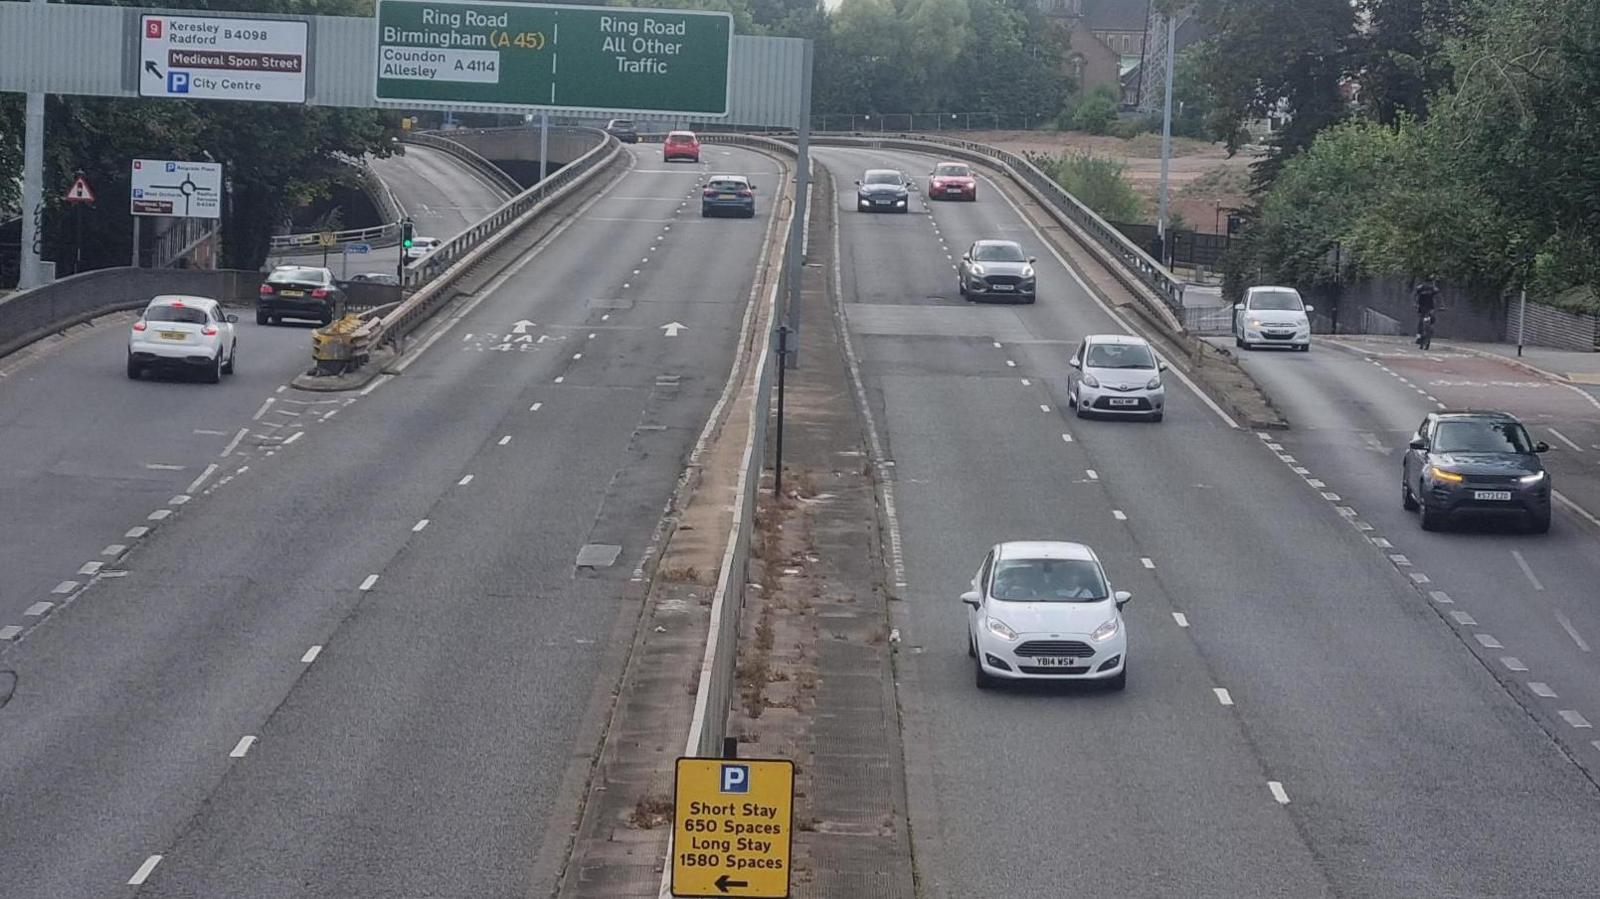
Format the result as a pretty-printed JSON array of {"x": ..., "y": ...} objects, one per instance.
[
  {"x": 997, "y": 269},
  {"x": 296, "y": 291},
  {"x": 623, "y": 130},
  {"x": 883, "y": 190},
  {"x": 1475, "y": 464}
]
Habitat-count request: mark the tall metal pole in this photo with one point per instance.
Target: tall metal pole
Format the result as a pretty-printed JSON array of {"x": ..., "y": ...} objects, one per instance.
[
  {"x": 1166, "y": 137},
  {"x": 1522, "y": 318},
  {"x": 544, "y": 146},
  {"x": 135, "y": 262},
  {"x": 793, "y": 265},
  {"x": 31, "y": 265}
]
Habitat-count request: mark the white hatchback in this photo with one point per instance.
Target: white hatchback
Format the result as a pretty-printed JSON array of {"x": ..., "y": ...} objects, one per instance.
[
  {"x": 422, "y": 246},
  {"x": 183, "y": 333},
  {"x": 1272, "y": 316},
  {"x": 1116, "y": 374},
  {"x": 1045, "y": 611}
]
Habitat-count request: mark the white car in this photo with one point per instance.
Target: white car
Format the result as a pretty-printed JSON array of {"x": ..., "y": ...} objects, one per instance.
[
  {"x": 181, "y": 332},
  {"x": 1044, "y": 611},
  {"x": 1272, "y": 316},
  {"x": 422, "y": 246},
  {"x": 1116, "y": 374}
]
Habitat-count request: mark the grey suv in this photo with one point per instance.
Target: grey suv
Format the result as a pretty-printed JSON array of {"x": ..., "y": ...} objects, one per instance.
[{"x": 1478, "y": 464}]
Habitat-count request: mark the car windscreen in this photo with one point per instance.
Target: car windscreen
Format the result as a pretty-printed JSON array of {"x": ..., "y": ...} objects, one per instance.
[
  {"x": 1048, "y": 580},
  {"x": 623, "y": 124},
  {"x": 295, "y": 276},
  {"x": 1119, "y": 355},
  {"x": 951, "y": 171},
  {"x": 1482, "y": 437},
  {"x": 680, "y": 138},
  {"x": 998, "y": 252},
  {"x": 1276, "y": 300},
  {"x": 176, "y": 314},
  {"x": 723, "y": 184},
  {"x": 883, "y": 178}
]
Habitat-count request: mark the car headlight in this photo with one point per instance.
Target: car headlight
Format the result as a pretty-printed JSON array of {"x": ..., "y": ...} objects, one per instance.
[
  {"x": 900, "y": 202},
  {"x": 1155, "y": 383},
  {"x": 1090, "y": 380},
  {"x": 1106, "y": 631},
  {"x": 977, "y": 270},
  {"x": 999, "y": 629},
  {"x": 1255, "y": 322},
  {"x": 1531, "y": 478},
  {"x": 1027, "y": 271},
  {"x": 1441, "y": 474}
]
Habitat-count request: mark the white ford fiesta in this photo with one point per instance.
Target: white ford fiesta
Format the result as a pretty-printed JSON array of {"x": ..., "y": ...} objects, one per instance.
[
  {"x": 186, "y": 334},
  {"x": 1045, "y": 611}
]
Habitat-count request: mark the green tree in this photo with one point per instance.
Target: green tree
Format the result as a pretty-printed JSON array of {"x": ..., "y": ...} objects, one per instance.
[
  {"x": 1096, "y": 112},
  {"x": 1097, "y": 182},
  {"x": 1401, "y": 56}
]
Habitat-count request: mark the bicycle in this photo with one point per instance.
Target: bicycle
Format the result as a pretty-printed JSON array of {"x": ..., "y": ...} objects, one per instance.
[{"x": 1425, "y": 331}]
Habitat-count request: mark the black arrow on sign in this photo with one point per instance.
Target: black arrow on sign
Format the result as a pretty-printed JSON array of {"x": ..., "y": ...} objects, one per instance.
[
  {"x": 724, "y": 884},
  {"x": 150, "y": 66}
]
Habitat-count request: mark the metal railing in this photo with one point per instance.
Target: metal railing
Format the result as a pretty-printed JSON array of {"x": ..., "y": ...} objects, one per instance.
[
  {"x": 465, "y": 154},
  {"x": 992, "y": 120},
  {"x": 380, "y": 235}
]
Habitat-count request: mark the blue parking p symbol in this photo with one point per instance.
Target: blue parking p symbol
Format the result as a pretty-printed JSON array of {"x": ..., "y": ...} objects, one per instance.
[
  {"x": 177, "y": 82},
  {"x": 735, "y": 778}
]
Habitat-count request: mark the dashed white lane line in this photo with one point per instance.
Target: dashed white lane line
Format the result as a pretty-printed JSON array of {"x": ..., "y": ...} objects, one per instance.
[
  {"x": 263, "y": 410},
  {"x": 1487, "y": 641},
  {"x": 1513, "y": 663},
  {"x": 1573, "y": 718},
  {"x": 1564, "y": 439},
  {"x": 1577, "y": 509},
  {"x": 1464, "y": 619},
  {"x": 535, "y": 407},
  {"x": 136, "y": 533},
  {"x": 576, "y": 356},
  {"x": 1278, "y": 792},
  {"x": 367, "y": 584},
  {"x": 1566, "y": 625},
  {"x": 560, "y": 378},
  {"x": 194, "y": 485},
  {"x": 1147, "y": 562},
  {"x": 114, "y": 549},
  {"x": 1011, "y": 363},
  {"x": 207, "y": 432},
  {"x": 1541, "y": 689},
  {"x": 1043, "y": 407},
  {"x": 293, "y": 437},
  {"x": 466, "y": 337},
  {"x": 143, "y": 874},
  {"x": 179, "y": 500},
  {"x": 242, "y": 747},
  {"x": 505, "y": 440},
  {"x": 162, "y": 466},
  {"x": 234, "y": 443},
  {"x": 1382, "y": 543},
  {"x": 10, "y": 632},
  {"x": 1093, "y": 475},
  {"x": 1418, "y": 577},
  {"x": 1441, "y": 597},
  {"x": 38, "y": 608},
  {"x": 1027, "y": 383},
  {"x": 592, "y": 335},
  {"x": 1182, "y": 619},
  {"x": 1066, "y": 438},
  {"x": 65, "y": 587},
  {"x": 311, "y": 654},
  {"x": 417, "y": 528},
  {"x": 1526, "y": 569},
  {"x": 91, "y": 568},
  {"x": 1313, "y": 482},
  {"x": 1222, "y": 695},
  {"x": 996, "y": 344},
  {"x": 281, "y": 388},
  {"x": 158, "y": 514},
  {"x": 465, "y": 480},
  {"x": 1119, "y": 515},
  {"x": 1330, "y": 497}
]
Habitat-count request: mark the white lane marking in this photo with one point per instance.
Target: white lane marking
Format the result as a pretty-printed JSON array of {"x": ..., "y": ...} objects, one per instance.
[
  {"x": 1278, "y": 792},
  {"x": 1182, "y": 619},
  {"x": 143, "y": 874},
  {"x": 1439, "y": 596},
  {"x": 592, "y": 335},
  {"x": 136, "y": 533},
  {"x": 1564, "y": 439},
  {"x": 1039, "y": 235},
  {"x": 281, "y": 388},
  {"x": 417, "y": 528},
  {"x": 1400, "y": 560},
  {"x": 293, "y": 437},
  {"x": 162, "y": 466},
  {"x": 1330, "y": 497},
  {"x": 1441, "y": 405},
  {"x": 505, "y": 440},
  {"x": 1562, "y": 499},
  {"x": 234, "y": 443},
  {"x": 1066, "y": 438},
  {"x": 1011, "y": 363},
  {"x": 1027, "y": 383},
  {"x": 1346, "y": 511},
  {"x": 91, "y": 568},
  {"x": 39, "y": 608},
  {"x": 466, "y": 337},
  {"x": 1513, "y": 663},
  {"x": 207, "y": 432},
  {"x": 10, "y": 632},
  {"x": 1573, "y": 718},
  {"x": 997, "y": 344},
  {"x": 1222, "y": 695},
  {"x": 1523, "y": 564},
  {"x": 465, "y": 480},
  {"x": 560, "y": 378},
  {"x": 115, "y": 549},
  {"x": 263, "y": 410},
  {"x": 1093, "y": 475},
  {"x": 606, "y": 317},
  {"x": 1302, "y": 472},
  {"x": 1119, "y": 515},
  {"x": 179, "y": 500},
  {"x": 1275, "y": 447},
  {"x": 65, "y": 587},
  {"x": 1566, "y": 625},
  {"x": 1464, "y": 619},
  {"x": 311, "y": 654},
  {"x": 367, "y": 584},
  {"x": 1541, "y": 689},
  {"x": 242, "y": 747},
  {"x": 1418, "y": 577},
  {"x": 1382, "y": 543},
  {"x": 1043, "y": 408},
  {"x": 1313, "y": 482},
  {"x": 576, "y": 356},
  {"x": 331, "y": 413},
  {"x": 1147, "y": 562},
  {"x": 1288, "y": 459},
  {"x": 158, "y": 514},
  {"x": 1488, "y": 642},
  {"x": 194, "y": 485}
]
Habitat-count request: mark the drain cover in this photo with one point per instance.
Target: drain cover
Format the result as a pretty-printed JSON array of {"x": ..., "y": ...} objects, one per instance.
[{"x": 598, "y": 555}]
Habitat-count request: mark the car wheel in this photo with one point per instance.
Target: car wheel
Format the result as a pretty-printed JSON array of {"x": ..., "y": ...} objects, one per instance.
[
  {"x": 233, "y": 358},
  {"x": 1029, "y": 300},
  {"x": 973, "y": 198},
  {"x": 214, "y": 373},
  {"x": 1431, "y": 520},
  {"x": 1238, "y": 341},
  {"x": 327, "y": 320},
  {"x": 1408, "y": 500},
  {"x": 982, "y": 678},
  {"x": 1078, "y": 409},
  {"x": 1304, "y": 349},
  {"x": 133, "y": 368},
  {"x": 1119, "y": 682},
  {"x": 1539, "y": 522},
  {"x": 262, "y": 317},
  {"x": 749, "y": 213},
  {"x": 972, "y": 646},
  {"x": 961, "y": 288},
  {"x": 705, "y": 213},
  {"x": 1157, "y": 416}
]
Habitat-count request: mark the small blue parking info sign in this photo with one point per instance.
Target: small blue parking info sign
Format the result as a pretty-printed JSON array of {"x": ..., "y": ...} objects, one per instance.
[{"x": 735, "y": 778}]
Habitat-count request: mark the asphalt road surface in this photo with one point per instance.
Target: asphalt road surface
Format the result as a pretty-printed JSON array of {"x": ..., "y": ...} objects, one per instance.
[
  {"x": 1300, "y": 720},
  {"x": 362, "y": 660}
]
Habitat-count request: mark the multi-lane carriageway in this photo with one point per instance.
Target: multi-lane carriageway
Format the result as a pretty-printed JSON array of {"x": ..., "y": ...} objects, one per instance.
[{"x": 352, "y": 656}]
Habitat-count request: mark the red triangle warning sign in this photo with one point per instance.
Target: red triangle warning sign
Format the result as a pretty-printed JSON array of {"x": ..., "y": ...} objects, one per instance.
[{"x": 79, "y": 192}]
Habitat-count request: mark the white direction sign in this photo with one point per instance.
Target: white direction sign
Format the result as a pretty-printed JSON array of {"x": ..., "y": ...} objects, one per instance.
[
  {"x": 184, "y": 189},
  {"x": 195, "y": 58}
]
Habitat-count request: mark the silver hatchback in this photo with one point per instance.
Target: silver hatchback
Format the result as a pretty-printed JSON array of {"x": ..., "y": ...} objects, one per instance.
[{"x": 1116, "y": 375}]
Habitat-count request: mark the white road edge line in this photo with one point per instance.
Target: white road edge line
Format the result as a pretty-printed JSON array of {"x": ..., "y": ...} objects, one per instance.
[
  {"x": 1278, "y": 792},
  {"x": 1526, "y": 569},
  {"x": 417, "y": 528},
  {"x": 194, "y": 485},
  {"x": 367, "y": 584},
  {"x": 1564, "y": 439},
  {"x": 311, "y": 654},
  {"x": 242, "y": 747},
  {"x": 465, "y": 480},
  {"x": 1562, "y": 499},
  {"x": 234, "y": 443},
  {"x": 143, "y": 874}
]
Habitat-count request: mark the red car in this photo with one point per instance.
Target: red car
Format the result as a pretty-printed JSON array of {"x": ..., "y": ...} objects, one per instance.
[
  {"x": 681, "y": 145},
  {"x": 952, "y": 181}
]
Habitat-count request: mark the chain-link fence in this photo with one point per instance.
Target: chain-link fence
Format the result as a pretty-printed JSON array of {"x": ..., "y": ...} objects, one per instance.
[{"x": 901, "y": 122}]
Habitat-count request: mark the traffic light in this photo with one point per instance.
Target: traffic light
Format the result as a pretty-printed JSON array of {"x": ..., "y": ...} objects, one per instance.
[{"x": 407, "y": 233}]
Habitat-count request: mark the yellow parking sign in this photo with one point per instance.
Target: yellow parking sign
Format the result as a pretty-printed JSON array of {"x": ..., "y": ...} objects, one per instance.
[{"x": 733, "y": 827}]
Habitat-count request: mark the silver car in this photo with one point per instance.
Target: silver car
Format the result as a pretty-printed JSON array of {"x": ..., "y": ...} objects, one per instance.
[
  {"x": 997, "y": 269},
  {"x": 1116, "y": 375}
]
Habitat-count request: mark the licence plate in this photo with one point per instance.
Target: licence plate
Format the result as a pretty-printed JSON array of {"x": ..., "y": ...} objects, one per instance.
[
  {"x": 952, "y": 190},
  {"x": 292, "y": 293},
  {"x": 724, "y": 196},
  {"x": 1123, "y": 401},
  {"x": 1053, "y": 662},
  {"x": 1498, "y": 495},
  {"x": 172, "y": 335},
  {"x": 1004, "y": 287}
]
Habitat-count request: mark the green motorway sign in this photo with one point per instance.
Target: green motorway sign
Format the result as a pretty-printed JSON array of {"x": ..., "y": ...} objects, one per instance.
[{"x": 523, "y": 55}]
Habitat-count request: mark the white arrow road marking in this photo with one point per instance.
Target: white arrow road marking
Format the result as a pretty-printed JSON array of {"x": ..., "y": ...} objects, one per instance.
[
  {"x": 521, "y": 327},
  {"x": 672, "y": 328}
]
